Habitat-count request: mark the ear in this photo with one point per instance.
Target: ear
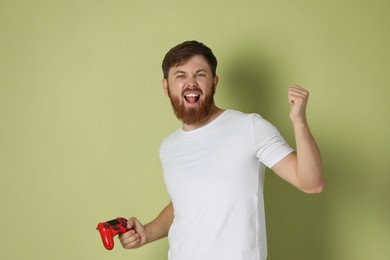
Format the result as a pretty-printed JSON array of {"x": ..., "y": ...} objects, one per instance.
[
  {"x": 165, "y": 87},
  {"x": 215, "y": 81}
]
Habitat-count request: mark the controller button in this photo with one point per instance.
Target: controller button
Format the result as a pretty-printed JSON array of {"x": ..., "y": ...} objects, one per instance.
[{"x": 115, "y": 228}]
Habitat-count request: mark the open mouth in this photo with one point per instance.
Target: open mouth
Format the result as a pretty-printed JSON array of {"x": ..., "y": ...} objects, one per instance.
[{"x": 192, "y": 98}]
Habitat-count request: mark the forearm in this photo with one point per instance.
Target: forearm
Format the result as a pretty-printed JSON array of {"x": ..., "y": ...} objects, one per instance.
[
  {"x": 159, "y": 227},
  {"x": 309, "y": 164}
]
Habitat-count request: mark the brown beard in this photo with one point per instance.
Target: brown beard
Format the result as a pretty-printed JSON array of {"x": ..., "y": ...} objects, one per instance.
[{"x": 190, "y": 116}]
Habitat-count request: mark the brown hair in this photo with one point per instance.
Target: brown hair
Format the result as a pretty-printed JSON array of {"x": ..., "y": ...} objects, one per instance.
[{"x": 186, "y": 50}]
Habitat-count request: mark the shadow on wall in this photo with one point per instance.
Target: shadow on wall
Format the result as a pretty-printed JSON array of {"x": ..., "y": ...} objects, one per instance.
[
  {"x": 249, "y": 84},
  {"x": 295, "y": 224}
]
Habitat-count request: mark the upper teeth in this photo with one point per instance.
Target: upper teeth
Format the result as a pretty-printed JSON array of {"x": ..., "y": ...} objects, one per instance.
[{"x": 192, "y": 95}]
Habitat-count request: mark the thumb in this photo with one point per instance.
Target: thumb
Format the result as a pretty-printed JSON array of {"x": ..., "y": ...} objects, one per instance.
[{"x": 134, "y": 224}]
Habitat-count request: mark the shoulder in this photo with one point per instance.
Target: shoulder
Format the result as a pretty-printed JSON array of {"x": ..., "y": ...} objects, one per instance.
[
  {"x": 230, "y": 114},
  {"x": 252, "y": 120},
  {"x": 241, "y": 115},
  {"x": 260, "y": 123}
]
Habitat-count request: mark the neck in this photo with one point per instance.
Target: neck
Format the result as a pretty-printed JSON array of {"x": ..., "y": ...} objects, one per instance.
[{"x": 214, "y": 113}]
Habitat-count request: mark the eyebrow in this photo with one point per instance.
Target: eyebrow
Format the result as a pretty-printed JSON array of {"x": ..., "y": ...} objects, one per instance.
[
  {"x": 183, "y": 72},
  {"x": 179, "y": 72}
]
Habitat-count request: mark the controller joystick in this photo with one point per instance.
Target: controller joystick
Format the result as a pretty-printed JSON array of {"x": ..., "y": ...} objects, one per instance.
[{"x": 110, "y": 229}]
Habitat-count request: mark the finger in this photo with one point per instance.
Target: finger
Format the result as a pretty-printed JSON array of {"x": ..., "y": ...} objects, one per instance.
[
  {"x": 297, "y": 87},
  {"x": 133, "y": 223},
  {"x": 298, "y": 94},
  {"x": 136, "y": 225},
  {"x": 126, "y": 235},
  {"x": 130, "y": 223},
  {"x": 131, "y": 242},
  {"x": 297, "y": 90},
  {"x": 295, "y": 96}
]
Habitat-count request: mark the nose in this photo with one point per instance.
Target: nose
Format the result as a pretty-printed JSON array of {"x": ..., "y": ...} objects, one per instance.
[{"x": 191, "y": 82}]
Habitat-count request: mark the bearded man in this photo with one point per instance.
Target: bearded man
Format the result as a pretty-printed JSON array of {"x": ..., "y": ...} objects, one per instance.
[{"x": 214, "y": 166}]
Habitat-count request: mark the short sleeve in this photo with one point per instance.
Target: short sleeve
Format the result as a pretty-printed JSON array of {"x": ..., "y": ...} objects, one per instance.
[{"x": 270, "y": 147}]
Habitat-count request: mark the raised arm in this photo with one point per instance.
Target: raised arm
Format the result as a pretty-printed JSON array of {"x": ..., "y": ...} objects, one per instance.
[
  {"x": 303, "y": 168},
  {"x": 140, "y": 234}
]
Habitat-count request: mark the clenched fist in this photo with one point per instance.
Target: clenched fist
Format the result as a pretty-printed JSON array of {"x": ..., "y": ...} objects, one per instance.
[
  {"x": 298, "y": 98},
  {"x": 135, "y": 237}
]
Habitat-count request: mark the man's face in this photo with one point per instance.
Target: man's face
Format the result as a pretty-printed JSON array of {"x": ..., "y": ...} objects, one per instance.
[{"x": 191, "y": 87}]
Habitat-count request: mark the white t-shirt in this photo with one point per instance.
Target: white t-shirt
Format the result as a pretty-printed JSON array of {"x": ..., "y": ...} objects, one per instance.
[{"x": 214, "y": 176}]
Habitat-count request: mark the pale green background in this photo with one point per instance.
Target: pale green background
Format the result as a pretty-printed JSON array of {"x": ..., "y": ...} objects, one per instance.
[{"x": 82, "y": 115}]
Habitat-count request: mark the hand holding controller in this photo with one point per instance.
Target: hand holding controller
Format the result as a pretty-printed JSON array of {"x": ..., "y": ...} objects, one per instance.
[{"x": 110, "y": 229}]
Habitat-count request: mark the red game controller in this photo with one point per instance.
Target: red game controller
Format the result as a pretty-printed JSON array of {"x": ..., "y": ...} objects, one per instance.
[{"x": 110, "y": 229}]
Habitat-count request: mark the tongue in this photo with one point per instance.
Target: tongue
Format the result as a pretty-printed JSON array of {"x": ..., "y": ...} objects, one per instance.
[{"x": 191, "y": 100}]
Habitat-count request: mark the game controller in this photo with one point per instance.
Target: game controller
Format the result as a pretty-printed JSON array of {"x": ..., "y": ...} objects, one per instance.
[{"x": 110, "y": 229}]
